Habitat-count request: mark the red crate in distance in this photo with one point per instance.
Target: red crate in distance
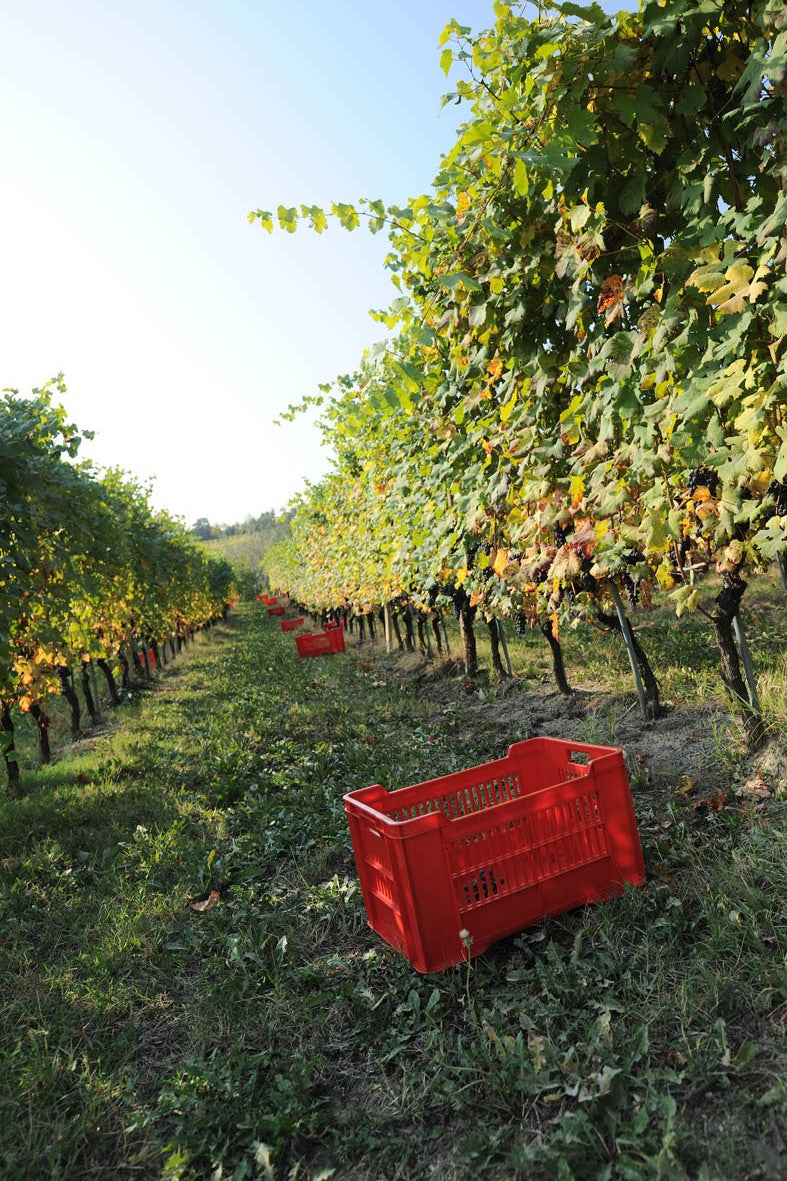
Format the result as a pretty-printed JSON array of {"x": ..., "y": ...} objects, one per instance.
[
  {"x": 451, "y": 865},
  {"x": 321, "y": 643},
  {"x": 276, "y": 610},
  {"x": 291, "y": 625}
]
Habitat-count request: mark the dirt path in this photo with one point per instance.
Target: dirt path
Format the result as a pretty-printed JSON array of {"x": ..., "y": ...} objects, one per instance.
[{"x": 694, "y": 747}]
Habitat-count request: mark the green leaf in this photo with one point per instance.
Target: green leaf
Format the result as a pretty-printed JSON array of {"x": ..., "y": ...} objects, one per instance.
[
  {"x": 626, "y": 106},
  {"x": 648, "y": 104},
  {"x": 457, "y": 280},
  {"x": 347, "y": 215},
  {"x": 446, "y": 60},
  {"x": 654, "y": 134},
  {"x": 263, "y": 217},
  {"x": 477, "y": 315},
  {"x": 521, "y": 179},
  {"x": 288, "y": 218},
  {"x": 317, "y": 219},
  {"x": 592, "y": 13},
  {"x": 692, "y": 100}
]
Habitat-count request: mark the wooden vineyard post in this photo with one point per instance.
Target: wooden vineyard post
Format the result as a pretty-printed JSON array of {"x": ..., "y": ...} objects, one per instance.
[{"x": 387, "y": 620}]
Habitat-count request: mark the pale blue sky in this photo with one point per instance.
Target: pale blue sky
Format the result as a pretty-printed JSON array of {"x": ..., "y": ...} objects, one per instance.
[{"x": 135, "y": 139}]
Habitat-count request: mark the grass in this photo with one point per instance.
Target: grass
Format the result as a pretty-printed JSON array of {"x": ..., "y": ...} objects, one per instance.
[{"x": 190, "y": 989}]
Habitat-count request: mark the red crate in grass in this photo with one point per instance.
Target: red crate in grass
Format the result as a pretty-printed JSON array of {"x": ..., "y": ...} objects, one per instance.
[
  {"x": 451, "y": 865},
  {"x": 321, "y": 643},
  {"x": 291, "y": 625},
  {"x": 276, "y": 610}
]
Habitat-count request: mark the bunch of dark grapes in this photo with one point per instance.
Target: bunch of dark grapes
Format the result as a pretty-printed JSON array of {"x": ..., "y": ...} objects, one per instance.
[
  {"x": 560, "y": 536},
  {"x": 703, "y": 477},
  {"x": 520, "y": 623},
  {"x": 632, "y": 588},
  {"x": 589, "y": 583},
  {"x": 779, "y": 493}
]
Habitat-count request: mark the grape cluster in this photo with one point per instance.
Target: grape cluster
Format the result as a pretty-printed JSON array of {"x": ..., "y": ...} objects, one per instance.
[
  {"x": 520, "y": 623},
  {"x": 457, "y": 596},
  {"x": 589, "y": 583},
  {"x": 703, "y": 477},
  {"x": 560, "y": 536},
  {"x": 779, "y": 493},
  {"x": 632, "y": 588}
]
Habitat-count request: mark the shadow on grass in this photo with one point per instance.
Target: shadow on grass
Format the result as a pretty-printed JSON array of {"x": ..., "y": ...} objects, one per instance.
[{"x": 63, "y": 802}]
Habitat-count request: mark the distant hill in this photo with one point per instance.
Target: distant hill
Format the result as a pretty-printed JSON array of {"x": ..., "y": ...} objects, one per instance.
[{"x": 245, "y": 543}]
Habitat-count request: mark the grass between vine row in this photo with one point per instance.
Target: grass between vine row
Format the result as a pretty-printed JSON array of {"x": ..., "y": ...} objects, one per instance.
[{"x": 190, "y": 989}]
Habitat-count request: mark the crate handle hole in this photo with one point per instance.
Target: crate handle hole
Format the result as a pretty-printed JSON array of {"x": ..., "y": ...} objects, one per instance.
[{"x": 579, "y": 756}]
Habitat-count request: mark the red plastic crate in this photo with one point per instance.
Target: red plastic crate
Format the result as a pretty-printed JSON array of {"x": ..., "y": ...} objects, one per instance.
[
  {"x": 291, "y": 625},
  {"x": 276, "y": 610},
  {"x": 321, "y": 643},
  {"x": 475, "y": 856}
]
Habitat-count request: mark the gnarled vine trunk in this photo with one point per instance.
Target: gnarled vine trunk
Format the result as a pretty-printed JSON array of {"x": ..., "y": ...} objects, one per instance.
[
  {"x": 42, "y": 722},
  {"x": 9, "y": 751},
  {"x": 88, "y": 694},
  {"x": 556, "y": 649},
  {"x": 467, "y": 636},
  {"x": 494, "y": 641},
  {"x": 435, "y": 622},
  {"x": 110, "y": 679},
  {"x": 69, "y": 693},
  {"x": 723, "y": 615}
]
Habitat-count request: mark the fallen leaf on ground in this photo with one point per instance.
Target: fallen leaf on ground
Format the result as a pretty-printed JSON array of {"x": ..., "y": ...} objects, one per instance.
[
  {"x": 715, "y": 803},
  {"x": 753, "y": 789},
  {"x": 206, "y": 903}
]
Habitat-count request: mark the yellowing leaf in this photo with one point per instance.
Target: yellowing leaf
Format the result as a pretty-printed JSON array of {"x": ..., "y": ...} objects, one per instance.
[
  {"x": 495, "y": 369},
  {"x": 739, "y": 274},
  {"x": 500, "y": 562},
  {"x": 507, "y": 407}
]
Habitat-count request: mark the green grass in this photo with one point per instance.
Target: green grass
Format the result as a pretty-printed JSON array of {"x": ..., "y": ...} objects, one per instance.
[{"x": 273, "y": 1035}]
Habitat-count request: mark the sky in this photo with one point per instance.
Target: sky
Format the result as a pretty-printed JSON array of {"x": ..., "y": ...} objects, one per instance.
[{"x": 135, "y": 140}]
